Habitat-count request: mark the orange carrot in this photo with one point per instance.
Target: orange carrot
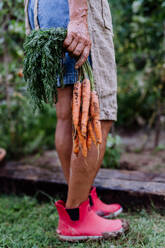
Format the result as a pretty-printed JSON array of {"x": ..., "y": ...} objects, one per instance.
[
  {"x": 85, "y": 105},
  {"x": 94, "y": 107},
  {"x": 95, "y": 114},
  {"x": 91, "y": 132},
  {"x": 97, "y": 128},
  {"x": 89, "y": 141},
  {"x": 82, "y": 140},
  {"x": 76, "y": 104},
  {"x": 76, "y": 145}
]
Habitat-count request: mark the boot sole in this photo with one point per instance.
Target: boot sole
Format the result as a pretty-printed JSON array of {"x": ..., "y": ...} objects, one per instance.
[
  {"x": 114, "y": 214},
  {"x": 104, "y": 236}
]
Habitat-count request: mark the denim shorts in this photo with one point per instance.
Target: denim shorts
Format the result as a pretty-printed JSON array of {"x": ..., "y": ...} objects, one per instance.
[{"x": 54, "y": 13}]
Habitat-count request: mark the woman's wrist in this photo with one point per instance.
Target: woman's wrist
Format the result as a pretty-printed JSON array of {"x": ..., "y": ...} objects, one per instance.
[
  {"x": 80, "y": 14},
  {"x": 78, "y": 41},
  {"x": 78, "y": 10}
]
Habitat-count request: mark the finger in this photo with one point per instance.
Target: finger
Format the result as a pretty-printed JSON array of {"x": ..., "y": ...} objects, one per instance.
[
  {"x": 83, "y": 57},
  {"x": 73, "y": 45},
  {"x": 68, "y": 40},
  {"x": 79, "y": 49}
]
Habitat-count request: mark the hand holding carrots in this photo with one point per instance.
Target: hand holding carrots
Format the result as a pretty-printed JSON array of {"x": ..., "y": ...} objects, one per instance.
[{"x": 77, "y": 42}]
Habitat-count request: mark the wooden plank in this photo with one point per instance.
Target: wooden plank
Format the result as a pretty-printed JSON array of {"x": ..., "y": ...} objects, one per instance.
[
  {"x": 151, "y": 188},
  {"x": 21, "y": 170},
  {"x": 110, "y": 179},
  {"x": 132, "y": 175},
  {"x": 31, "y": 176}
]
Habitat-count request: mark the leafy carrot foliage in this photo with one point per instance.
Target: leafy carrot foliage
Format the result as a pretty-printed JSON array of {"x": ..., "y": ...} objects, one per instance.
[{"x": 43, "y": 64}]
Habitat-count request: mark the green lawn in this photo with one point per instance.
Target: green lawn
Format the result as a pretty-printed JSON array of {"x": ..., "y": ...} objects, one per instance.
[{"x": 26, "y": 223}]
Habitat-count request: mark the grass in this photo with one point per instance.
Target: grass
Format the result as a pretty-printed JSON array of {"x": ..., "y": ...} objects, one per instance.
[{"x": 26, "y": 223}]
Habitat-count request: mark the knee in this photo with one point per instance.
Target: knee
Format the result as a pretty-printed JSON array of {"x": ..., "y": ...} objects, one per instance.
[
  {"x": 64, "y": 114},
  {"x": 106, "y": 125},
  {"x": 59, "y": 144},
  {"x": 63, "y": 137},
  {"x": 63, "y": 129}
]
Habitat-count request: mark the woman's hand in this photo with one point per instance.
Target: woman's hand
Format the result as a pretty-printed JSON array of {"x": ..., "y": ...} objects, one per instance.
[{"x": 78, "y": 41}]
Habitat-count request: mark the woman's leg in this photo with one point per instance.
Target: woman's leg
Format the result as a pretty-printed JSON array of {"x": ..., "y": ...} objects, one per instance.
[
  {"x": 63, "y": 134},
  {"x": 83, "y": 170}
]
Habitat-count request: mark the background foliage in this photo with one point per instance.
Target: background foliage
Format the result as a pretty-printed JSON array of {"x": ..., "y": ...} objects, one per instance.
[
  {"x": 139, "y": 28},
  {"x": 139, "y": 41}
]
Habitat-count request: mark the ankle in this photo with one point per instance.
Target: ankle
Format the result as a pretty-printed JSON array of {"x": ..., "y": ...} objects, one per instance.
[{"x": 74, "y": 203}]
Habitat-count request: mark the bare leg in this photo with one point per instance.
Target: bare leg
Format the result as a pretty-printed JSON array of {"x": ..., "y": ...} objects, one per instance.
[
  {"x": 63, "y": 135},
  {"x": 83, "y": 171}
]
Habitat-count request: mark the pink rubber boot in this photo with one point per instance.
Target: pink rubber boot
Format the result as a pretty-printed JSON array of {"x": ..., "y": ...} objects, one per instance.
[
  {"x": 82, "y": 224},
  {"x": 102, "y": 209}
]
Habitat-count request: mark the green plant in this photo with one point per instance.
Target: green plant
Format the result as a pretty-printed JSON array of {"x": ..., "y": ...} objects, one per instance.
[
  {"x": 139, "y": 42},
  {"x": 22, "y": 132},
  {"x": 43, "y": 64},
  {"x": 112, "y": 152}
]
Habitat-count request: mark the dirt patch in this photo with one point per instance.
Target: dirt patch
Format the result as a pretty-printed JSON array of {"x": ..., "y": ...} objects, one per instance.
[
  {"x": 140, "y": 153},
  {"x": 146, "y": 161}
]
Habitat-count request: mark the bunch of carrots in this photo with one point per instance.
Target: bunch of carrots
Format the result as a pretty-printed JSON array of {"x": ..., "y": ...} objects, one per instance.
[{"x": 85, "y": 112}]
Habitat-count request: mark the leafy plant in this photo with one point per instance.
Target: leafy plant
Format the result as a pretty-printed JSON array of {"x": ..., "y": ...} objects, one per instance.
[
  {"x": 22, "y": 132},
  {"x": 113, "y": 152},
  {"x": 139, "y": 42},
  {"x": 43, "y": 64}
]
